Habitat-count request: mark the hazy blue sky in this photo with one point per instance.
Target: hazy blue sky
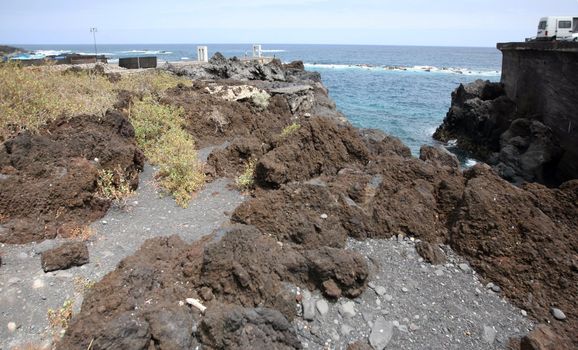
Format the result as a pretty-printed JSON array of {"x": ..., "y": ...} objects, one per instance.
[{"x": 389, "y": 22}]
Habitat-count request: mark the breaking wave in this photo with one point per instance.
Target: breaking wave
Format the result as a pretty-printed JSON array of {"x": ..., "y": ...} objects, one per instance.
[
  {"x": 418, "y": 69},
  {"x": 148, "y": 52}
]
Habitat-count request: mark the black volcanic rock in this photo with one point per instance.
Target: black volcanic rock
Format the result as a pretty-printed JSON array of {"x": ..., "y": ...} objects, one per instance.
[{"x": 485, "y": 122}]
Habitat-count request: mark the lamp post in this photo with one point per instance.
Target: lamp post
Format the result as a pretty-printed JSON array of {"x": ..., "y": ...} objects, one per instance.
[{"x": 93, "y": 30}]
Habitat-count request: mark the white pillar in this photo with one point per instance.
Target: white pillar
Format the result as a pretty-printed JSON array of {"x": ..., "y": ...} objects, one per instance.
[
  {"x": 202, "y": 54},
  {"x": 257, "y": 53}
]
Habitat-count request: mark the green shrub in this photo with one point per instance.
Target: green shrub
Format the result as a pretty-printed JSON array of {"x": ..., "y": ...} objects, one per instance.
[
  {"x": 246, "y": 180},
  {"x": 290, "y": 129},
  {"x": 160, "y": 134},
  {"x": 261, "y": 100},
  {"x": 179, "y": 172}
]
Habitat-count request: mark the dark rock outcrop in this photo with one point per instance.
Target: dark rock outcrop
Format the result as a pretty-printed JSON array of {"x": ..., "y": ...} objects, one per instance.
[
  {"x": 430, "y": 253},
  {"x": 64, "y": 257},
  {"x": 48, "y": 180},
  {"x": 486, "y": 123}
]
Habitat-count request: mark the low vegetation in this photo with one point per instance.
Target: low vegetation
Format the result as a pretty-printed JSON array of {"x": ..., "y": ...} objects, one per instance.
[
  {"x": 246, "y": 180},
  {"x": 113, "y": 185},
  {"x": 30, "y": 97},
  {"x": 261, "y": 100},
  {"x": 290, "y": 129},
  {"x": 159, "y": 132},
  {"x": 59, "y": 319}
]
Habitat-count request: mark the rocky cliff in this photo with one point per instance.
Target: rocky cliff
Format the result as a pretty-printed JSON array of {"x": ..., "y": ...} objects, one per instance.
[{"x": 525, "y": 126}]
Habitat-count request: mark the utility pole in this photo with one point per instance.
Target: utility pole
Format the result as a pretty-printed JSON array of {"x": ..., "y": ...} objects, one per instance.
[{"x": 93, "y": 30}]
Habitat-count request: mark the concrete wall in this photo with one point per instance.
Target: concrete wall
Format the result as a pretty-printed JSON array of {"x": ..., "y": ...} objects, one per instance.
[{"x": 542, "y": 78}]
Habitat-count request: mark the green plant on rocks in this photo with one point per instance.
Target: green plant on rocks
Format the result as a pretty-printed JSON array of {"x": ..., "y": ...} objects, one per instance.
[
  {"x": 159, "y": 132},
  {"x": 112, "y": 184},
  {"x": 290, "y": 129},
  {"x": 246, "y": 180},
  {"x": 261, "y": 100}
]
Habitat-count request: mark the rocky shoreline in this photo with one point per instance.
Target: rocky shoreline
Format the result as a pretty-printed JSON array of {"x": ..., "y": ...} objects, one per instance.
[{"x": 317, "y": 186}]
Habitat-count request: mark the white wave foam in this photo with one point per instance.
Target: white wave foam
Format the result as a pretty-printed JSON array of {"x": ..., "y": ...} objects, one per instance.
[
  {"x": 274, "y": 50},
  {"x": 51, "y": 52},
  {"x": 417, "y": 69},
  {"x": 92, "y": 53},
  {"x": 470, "y": 163},
  {"x": 185, "y": 58},
  {"x": 149, "y": 52}
]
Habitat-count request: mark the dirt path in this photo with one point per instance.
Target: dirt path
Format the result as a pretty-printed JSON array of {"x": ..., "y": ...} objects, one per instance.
[{"x": 26, "y": 292}]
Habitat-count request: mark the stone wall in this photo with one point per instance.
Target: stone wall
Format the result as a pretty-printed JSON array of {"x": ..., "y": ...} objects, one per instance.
[{"x": 542, "y": 78}]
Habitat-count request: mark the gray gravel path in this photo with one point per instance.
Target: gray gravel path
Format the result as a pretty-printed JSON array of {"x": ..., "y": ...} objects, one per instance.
[
  {"x": 413, "y": 305},
  {"x": 26, "y": 292}
]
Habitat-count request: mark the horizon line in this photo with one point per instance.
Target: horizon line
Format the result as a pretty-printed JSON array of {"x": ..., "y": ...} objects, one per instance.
[{"x": 217, "y": 43}]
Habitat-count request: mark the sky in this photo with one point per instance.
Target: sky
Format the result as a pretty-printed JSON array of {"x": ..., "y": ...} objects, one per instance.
[{"x": 374, "y": 22}]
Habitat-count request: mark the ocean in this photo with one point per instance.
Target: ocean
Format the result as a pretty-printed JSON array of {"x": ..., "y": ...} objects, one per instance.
[{"x": 402, "y": 90}]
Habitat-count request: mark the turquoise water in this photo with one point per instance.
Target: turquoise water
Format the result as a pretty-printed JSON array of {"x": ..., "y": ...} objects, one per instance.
[{"x": 403, "y": 90}]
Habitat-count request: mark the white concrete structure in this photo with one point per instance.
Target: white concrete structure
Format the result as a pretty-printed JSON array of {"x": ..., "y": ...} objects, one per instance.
[
  {"x": 257, "y": 52},
  {"x": 202, "y": 54}
]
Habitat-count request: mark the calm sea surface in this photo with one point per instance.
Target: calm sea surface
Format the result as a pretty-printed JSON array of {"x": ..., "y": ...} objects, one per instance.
[{"x": 402, "y": 90}]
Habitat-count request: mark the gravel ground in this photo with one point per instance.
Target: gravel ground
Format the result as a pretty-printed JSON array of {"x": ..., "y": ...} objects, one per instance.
[
  {"x": 26, "y": 292},
  {"x": 411, "y": 304}
]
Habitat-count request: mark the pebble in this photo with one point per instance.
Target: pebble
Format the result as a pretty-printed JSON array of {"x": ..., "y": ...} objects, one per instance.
[
  {"x": 324, "y": 216},
  {"x": 524, "y": 313},
  {"x": 405, "y": 290},
  {"x": 464, "y": 267},
  {"x": 496, "y": 288},
  {"x": 37, "y": 283},
  {"x": 322, "y": 307},
  {"x": 438, "y": 272},
  {"x": 489, "y": 334},
  {"x": 388, "y": 297},
  {"x": 308, "y": 309},
  {"x": 380, "y": 290},
  {"x": 11, "y": 326},
  {"x": 381, "y": 333},
  {"x": 104, "y": 222},
  {"x": 347, "y": 309},
  {"x": 558, "y": 314},
  {"x": 413, "y": 327},
  {"x": 345, "y": 329}
]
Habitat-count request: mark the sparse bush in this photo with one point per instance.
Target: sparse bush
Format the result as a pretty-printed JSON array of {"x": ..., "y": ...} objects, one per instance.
[
  {"x": 160, "y": 134},
  {"x": 151, "y": 120},
  {"x": 32, "y": 96},
  {"x": 246, "y": 180},
  {"x": 59, "y": 319},
  {"x": 261, "y": 100},
  {"x": 153, "y": 83},
  {"x": 219, "y": 120},
  {"x": 112, "y": 184},
  {"x": 290, "y": 129},
  {"x": 179, "y": 170}
]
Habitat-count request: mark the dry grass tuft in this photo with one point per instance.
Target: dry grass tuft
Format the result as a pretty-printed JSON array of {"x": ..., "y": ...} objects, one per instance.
[
  {"x": 32, "y": 96},
  {"x": 113, "y": 185},
  {"x": 60, "y": 319},
  {"x": 246, "y": 181},
  {"x": 290, "y": 130}
]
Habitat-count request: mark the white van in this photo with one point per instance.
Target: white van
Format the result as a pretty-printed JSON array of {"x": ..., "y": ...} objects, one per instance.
[{"x": 558, "y": 28}]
